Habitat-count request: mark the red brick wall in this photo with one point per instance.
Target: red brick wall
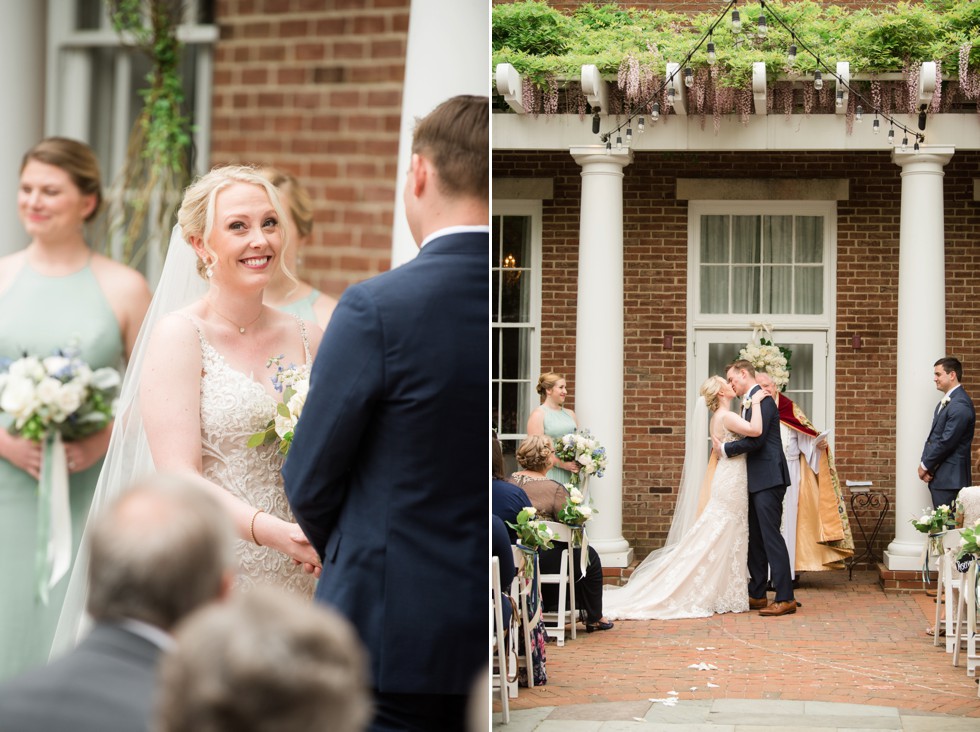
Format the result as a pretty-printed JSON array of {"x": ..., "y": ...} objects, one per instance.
[
  {"x": 315, "y": 88},
  {"x": 655, "y": 287}
]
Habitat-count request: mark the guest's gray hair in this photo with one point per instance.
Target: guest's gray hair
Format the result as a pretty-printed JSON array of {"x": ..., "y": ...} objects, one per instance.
[
  {"x": 162, "y": 549},
  {"x": 265, "y": 661}
]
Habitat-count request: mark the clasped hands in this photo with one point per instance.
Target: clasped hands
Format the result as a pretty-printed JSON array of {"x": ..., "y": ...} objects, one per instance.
[
  {"x": 924, "y": 475},
  {"x": 718, "y": 445}
]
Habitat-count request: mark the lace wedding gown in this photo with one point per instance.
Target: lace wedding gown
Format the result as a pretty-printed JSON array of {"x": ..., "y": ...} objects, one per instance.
[
  {"x": 707, "y": 571},
  {"x": 233, "y": 407}
]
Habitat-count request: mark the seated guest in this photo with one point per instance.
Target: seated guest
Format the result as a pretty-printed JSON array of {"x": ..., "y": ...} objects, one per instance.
[
  {"x": 500, "y": 546},
  {"x": 548, "y": 497},
  {"x": 161, "y": 550},
  {"x": 506, "y": 499},
  {"x": 264, "y": 660}
]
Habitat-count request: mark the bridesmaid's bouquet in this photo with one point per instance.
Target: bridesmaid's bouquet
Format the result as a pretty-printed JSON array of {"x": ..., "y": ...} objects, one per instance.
[
  {"x": 60, "y": 393},
  {"x": 581, "y": 447},
  {"x": 293, "y": 382}
]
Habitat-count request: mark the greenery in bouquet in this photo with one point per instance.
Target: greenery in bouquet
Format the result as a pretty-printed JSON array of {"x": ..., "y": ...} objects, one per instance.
[
  {"x": 969, "y": 548},
  {"x": 770, "y": 358},
  {"x": 575, "y": 512},
  {"x": 58, "y": 393},
  {"x": 532, "y": 534},
  {"x": 936, "y": 521},
  {"x": 293, "y": 382},
  {"x": 582, "y": 448}
]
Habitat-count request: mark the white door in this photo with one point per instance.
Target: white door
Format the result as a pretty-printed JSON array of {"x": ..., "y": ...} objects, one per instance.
[{"x": 808, "y": 387}]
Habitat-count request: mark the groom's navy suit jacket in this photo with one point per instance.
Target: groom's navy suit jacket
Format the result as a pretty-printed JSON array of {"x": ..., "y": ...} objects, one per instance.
[
  {"x": 765, "y": 462},
  {"x": 947, "y": 450},
  {"x": 387, "y": 472}
]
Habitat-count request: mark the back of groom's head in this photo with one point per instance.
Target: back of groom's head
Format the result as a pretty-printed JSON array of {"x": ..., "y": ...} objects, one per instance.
[
  {"x": 455, "y": 137},
  {"x": 162, "y": 549}
]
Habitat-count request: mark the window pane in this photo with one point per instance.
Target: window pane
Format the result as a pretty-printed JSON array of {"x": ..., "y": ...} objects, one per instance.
[
  {"x": 495, "y": 241},
  {"x": 746, "y": 235},
  {"x": 509, "y": 394},
  {"x": 516, "y": 347},
  {"x": 516, "y": 241},
  {"x": 495, "y": 289},
  {"x": 778, "y": 289},
  {"x": 720, "y": 355},
  {"x": 714, "y": 289},
  {"x": 495, "y": 356},
  {"x": 809, "y": 290},
  {"x": 809, "y": 239},
  {"x": 515, "y": 297},
  {"x": 745, "y": 289},
  {"x": 800, "y": 388},
  {"x": 714, "y": 239},
  {"x": 778, "y": 239}
]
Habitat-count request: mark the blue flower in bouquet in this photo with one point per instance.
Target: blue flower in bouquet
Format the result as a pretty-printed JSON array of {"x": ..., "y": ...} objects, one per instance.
[
  {"x": 58, "y": 393},
  {"x": 582, "y": 448},
  {"x": 293, "y": 382}
]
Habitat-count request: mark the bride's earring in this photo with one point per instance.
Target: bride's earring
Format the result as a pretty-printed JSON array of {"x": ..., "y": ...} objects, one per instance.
[{"x": 209, "y": 271}]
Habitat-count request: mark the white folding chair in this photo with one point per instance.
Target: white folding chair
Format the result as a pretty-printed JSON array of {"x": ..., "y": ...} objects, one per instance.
[
  {"x": 500, "y": 676},
  {"x": 947, "y": 589},
  {"x": 523, "y": 588},
  {"x": 565, "y": 579},
  {"x": 966, "y": 621}
]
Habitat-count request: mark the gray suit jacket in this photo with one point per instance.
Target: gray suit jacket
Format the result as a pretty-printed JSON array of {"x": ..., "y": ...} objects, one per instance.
[{"x": 106, "y": 684}]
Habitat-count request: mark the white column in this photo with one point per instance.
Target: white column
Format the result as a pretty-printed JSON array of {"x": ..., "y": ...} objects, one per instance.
[
  {"x": 448, "y": 48},
  {"x": 599, "y": 339},
  {"x": 921, "y": 337},
  {"x": 22, "y": 44}
]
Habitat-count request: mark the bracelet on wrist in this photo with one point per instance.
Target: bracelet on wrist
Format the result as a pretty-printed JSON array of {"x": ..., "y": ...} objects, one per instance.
[{"x": 251, "y": 526}]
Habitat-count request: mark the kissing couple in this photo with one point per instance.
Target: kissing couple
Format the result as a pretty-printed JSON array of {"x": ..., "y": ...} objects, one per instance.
[{"x": 724, "y": 543}]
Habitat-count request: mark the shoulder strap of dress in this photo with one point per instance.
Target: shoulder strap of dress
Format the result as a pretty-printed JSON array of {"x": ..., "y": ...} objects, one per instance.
[
  {"x": 306, "y": 338},
  {"x": 200, "y": 333}
]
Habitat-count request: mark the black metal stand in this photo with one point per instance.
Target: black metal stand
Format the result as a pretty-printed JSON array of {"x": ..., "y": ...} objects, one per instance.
[{"x": 867, "y": 502}]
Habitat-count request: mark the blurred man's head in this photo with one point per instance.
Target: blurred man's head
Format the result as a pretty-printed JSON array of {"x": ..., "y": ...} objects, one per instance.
[{"x": 162, "y": 549}]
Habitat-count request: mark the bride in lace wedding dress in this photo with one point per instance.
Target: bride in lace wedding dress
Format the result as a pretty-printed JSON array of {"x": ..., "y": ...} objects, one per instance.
[
  {"x": 198, "y": 384},
  {"x": 702, "y": 569}
]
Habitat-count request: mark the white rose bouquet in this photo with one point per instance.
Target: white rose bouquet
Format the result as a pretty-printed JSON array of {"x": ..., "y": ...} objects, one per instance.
[
  {"x": 581, "y": 447},
  {"x": 60, "y": 393},
  {"x": 772, "y": 359},
  {"x": 293, "y": 382}
]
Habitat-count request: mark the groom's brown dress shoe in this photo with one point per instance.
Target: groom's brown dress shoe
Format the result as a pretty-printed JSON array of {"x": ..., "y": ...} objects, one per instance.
[
  {"x": 757, "y": 603},
  {"x": 779, "y": 608}
]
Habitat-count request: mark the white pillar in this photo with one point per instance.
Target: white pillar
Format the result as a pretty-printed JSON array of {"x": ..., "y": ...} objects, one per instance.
[
  {"x": 448, "y": 48},
  {"x": 921, "y": 337},
  {"x": 599, "y": 339},
  {"x": 22, "y": 44}
]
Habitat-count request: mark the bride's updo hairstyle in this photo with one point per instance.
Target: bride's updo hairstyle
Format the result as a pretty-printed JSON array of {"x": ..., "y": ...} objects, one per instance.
[
  {"x": 547, "y": 381},
  {"x": 534, "y": 453},
  {"x": 710, "y": 390},
  {"x": 196, "y": 214}
]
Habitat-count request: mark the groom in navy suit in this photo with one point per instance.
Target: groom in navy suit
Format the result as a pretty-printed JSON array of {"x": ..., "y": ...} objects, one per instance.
[
  {"x": 384, "y": 474},
  {"x": 768, "y": 477},
  {"x": 945, "y": 461}
]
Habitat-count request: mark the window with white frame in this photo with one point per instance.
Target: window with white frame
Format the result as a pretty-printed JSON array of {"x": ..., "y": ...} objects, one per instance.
[{"x": 515, "y": 286}]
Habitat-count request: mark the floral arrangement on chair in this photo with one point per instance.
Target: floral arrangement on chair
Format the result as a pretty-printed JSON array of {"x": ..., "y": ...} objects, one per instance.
[
  {"x": 969, "y": 547},
  {"x": 575, "y": 512},
  {"x": 936, "y": 521},
  {"x": 772, "y": 359},
  {"x": 532, "y": 534},
  {"x": 582, "y": 448}
]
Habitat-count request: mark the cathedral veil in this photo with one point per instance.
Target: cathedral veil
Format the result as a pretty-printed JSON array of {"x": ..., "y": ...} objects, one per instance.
[{"x": 128, "y": 458}]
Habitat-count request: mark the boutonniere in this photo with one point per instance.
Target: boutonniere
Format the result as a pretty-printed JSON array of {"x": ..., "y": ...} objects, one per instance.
[
  {"x": 944, "y": 402},
  {"x": 746, "y": 402}
]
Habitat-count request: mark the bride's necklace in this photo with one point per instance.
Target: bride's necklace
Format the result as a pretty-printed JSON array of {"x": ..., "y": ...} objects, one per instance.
[{"x": 241, "y": 328}]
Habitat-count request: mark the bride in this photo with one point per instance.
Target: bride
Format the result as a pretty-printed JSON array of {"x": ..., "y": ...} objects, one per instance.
[
  {"x": 702, "y": 569},
  {"x": 199, "y": 385}
]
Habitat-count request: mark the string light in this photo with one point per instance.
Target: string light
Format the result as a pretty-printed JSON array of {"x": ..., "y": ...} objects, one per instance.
[
  {"x": 736, "y": 21},
  {"x": 840, "y": 98},
  {"x": 641, "y": 126},
  {"x": 905, "y": 143},
  {"x": 711, "y": 53},
  {"x": 817, "y": 80},
  {"x": 619, "y": 142},
  {"x": 629, "y": 135},
  {"x": 859, "y": 113},
  {"x": 670, "y": 95},
  {"x": 791, "y": 56},
  {"x": 688, "y": 77},
  {"x": 876, "y": 126},
  {"x": 762, "y": 29},
  {"x": 595, "y": 123},
  {"x": 608, "y": 148},
  {"x": 891, "y": 136},
  {"x": 655, "y": 115}
]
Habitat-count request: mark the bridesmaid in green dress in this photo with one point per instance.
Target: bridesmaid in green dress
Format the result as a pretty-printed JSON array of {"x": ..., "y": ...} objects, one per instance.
[
  {"x": 289, "y": 294},
  {"x": 553, "y": 420},
  {"x": 54, "y": 293}
]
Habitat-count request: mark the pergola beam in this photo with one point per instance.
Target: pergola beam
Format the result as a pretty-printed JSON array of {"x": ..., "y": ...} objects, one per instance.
[{"x": 510, "y": 86}]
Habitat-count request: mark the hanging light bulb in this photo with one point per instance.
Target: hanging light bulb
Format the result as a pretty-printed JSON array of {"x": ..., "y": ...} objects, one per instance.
[
  {"x": 688, "y": 77},
  {"x": 891, "y": 136},
  {"x": 595, "y": 123},
  {"x": 859, "y": 113},
  {"x": 840, "y": 98},
  {"x": 736, "y": 21},
  {"x": 817, "y": 80},
  {"x": 670, "y": 95},
  {"x": 656, "y": 111},
  {"x": 641, "y": 125},
  {"x": 608, "y": 148},
  {"x": 711, "y": 53},
  {"x": 763, "y": 29},
  {"x": 916, "y": 146},
  {"x": 619, "y": 142},
  {"x": 905, "y": 143},
  {"x": 791, "y": 55},
  {"x": 629, "y": 135},
  {"x": 876, "y": 126}
]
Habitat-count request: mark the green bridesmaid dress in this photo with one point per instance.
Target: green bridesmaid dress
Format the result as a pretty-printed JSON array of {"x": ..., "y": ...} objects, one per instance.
[
  {"x": 557, "y": 424},
  {"x": 38, "y": 315},
  {"x": 303, "y": 307}
]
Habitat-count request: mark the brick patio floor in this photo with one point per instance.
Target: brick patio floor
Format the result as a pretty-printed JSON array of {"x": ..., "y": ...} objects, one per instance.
[{"x": 849, "y": 643}]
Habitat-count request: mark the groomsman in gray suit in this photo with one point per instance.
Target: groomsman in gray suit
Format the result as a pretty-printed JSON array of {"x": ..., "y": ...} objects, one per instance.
[
  {"x": 945, "y": 462},
  {"x": 162, "y": 550}
]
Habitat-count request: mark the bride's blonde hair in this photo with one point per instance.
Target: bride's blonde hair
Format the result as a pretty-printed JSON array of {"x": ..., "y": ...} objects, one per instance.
[{"x": 710, "y": 389}]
